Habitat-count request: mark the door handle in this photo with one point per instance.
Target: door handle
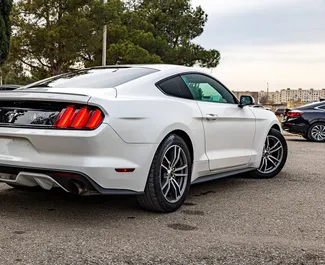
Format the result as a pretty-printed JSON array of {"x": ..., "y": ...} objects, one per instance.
[{"x": 211, "y": 117}]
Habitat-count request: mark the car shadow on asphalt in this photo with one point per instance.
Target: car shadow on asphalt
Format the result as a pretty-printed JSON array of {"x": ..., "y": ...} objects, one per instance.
[{"x": 46, "y": 204}]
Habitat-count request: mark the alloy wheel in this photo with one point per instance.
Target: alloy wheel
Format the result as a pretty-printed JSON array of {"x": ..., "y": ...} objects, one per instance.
[
  {"x": 318, "y": 132},
  {"x": 174, "y": 174},
  {"x": 272, "y": 155}
]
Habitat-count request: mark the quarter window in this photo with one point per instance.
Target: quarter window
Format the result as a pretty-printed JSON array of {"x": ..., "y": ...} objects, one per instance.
[
  {"x": 175, "y": 87},
  {"x": 204, "y": 88}
]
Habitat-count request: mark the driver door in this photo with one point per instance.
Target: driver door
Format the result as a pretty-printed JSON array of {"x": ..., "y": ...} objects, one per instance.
[{"x": 229, "y": 129}]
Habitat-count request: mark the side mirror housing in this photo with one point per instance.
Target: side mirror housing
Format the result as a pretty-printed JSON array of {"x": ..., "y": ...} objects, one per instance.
[{"x": 246, "y": 101}]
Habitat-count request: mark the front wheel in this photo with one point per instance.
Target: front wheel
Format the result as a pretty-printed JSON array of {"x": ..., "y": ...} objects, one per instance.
[
  {"x": 274, "y": 156},
  {"x": 169, "y": 178}
]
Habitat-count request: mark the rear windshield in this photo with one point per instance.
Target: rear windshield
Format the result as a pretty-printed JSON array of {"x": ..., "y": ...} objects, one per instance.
[
  {"x": 94, "y": 78},
  {"x": 311, "y": 105}
]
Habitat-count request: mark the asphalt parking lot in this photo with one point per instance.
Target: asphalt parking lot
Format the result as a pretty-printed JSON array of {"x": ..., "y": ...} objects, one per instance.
[{"x": 229, "y": 221}]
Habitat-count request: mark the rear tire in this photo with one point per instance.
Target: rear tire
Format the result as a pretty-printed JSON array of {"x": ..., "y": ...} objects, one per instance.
[
  {"x": 169, "y": 177},
  {"x": 316, "y": 132},
  {"x": 275, "y": 154}
]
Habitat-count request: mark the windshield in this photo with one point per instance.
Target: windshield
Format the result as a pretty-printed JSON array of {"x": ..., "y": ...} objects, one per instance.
[{"x": 94, "y": 78}]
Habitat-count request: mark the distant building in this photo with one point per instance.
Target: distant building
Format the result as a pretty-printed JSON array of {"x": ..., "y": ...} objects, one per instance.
[{"x": 298, "y": 95}]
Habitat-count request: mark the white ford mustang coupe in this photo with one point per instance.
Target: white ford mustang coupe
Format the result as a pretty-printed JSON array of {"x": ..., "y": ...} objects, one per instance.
[{"x": 147, "y": 130}]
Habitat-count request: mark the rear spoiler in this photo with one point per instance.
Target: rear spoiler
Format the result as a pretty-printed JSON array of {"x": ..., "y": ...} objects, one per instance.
[{"x": 21, "y": 95}]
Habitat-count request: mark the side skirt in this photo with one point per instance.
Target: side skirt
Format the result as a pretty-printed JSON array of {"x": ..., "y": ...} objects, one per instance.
[{"x": 221, "y": 175}]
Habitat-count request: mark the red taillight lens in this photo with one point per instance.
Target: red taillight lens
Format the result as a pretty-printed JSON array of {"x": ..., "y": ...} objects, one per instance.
[
  {"x": 79, "y": 118},
  {"x": 293, "y": 113},
  {"x": 65, "y": 117},
  {"x": 95, "y": 119}
]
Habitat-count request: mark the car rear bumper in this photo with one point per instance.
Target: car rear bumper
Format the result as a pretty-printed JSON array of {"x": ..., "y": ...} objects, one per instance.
[
  {"x": 294, "y": 128},
  {"x": 56, "y": 158}
]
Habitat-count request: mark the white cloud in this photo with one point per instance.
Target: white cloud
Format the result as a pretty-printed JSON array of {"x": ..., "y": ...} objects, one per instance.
[
  {"x": 277, "y": 41},
  {"x": 291, "y": 66}
]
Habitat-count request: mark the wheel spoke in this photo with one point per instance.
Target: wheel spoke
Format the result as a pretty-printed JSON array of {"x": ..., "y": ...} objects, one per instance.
[
  {"x": 164, "y": 167},
  {"x": 180, "y": 168},
  {"x": 180, "y": 175},
  {"x": 165, "y": 185},
  {"x": 267, "y": 142},
  {"x": 275, "y": 146},
  {"x": 273, "y": 151},
  {"x": 165, "y": 157},
  {"x": 176, "y": 156},
  {"x": 168, "y": 188},
  {"x": 262, "y": 164},
  {"x": 269, "y": 158},
  {"x": 274, "y": 158},
  {"x": 265, "y": 164},
  {"x": 176, "y": 187}
]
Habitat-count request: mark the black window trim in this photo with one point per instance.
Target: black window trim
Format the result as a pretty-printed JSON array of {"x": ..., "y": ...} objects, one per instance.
[{"x": 194, "y": 72}]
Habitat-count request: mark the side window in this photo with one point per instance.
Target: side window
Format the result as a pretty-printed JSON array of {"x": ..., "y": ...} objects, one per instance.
[
  {"x": 322, "y": 107},
  {"x": 175, "y": 87},
  {"x": 204, "y": 88}
]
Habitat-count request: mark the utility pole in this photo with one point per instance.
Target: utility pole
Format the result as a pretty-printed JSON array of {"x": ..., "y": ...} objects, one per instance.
[
  {"x": 267, "y": 92},
  {"x": 104, "y": 42}
]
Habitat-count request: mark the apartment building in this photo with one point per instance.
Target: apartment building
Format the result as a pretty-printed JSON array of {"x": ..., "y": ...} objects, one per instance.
[{"x": 285, "y": 95}]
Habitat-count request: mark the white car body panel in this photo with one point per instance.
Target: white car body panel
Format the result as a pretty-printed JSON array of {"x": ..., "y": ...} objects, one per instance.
[{"x": 138, "y": 116}]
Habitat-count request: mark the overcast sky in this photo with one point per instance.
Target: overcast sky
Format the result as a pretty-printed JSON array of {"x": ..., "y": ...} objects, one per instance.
[{"x": 277, "y": 41}]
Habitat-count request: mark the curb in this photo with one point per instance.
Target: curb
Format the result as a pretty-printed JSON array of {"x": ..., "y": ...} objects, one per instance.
[{"x": 291, "y": 135}]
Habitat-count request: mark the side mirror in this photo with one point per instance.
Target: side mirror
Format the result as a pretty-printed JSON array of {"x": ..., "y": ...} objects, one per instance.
[{"x": 246, "y": 101}]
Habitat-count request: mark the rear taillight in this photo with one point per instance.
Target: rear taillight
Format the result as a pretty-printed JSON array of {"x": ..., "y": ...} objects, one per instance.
[
  {"x": 73, "y": 117},
  {"x": 293, "y": 114}
]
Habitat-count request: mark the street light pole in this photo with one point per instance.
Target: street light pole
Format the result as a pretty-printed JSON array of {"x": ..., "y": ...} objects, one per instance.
[{"x": 104, "y": 42}]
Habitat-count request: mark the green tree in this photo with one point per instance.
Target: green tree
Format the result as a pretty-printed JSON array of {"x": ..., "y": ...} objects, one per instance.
[
  {"x": 53, "y": 36},
  {"x": 178, "y": 23},
  {"x": 157, "y": 31},
  {"x": 5, "y": 29}
]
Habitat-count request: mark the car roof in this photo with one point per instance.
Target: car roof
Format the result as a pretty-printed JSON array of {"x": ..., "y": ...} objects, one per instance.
[
  {"x": 312, "y": 105},
  {"x": 158, "y": 67}
]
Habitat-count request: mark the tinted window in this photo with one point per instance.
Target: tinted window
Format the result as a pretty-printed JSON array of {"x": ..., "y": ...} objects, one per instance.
[
  {"x": 204, "y": 88},
  {"x": 95, "y": 78},
  {"x": 175, "y": 87}
]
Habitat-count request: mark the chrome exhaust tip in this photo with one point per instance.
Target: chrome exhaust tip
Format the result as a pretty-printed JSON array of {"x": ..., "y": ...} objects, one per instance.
[{"x": 77, "y": 187}]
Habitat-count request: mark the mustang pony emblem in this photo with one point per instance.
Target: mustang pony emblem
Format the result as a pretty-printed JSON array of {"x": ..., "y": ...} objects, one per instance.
[{"x": 12, "y": 115}]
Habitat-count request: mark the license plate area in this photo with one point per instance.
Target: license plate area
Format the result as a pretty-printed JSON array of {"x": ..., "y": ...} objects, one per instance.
[{"x": 7, "y": 176}]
